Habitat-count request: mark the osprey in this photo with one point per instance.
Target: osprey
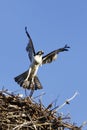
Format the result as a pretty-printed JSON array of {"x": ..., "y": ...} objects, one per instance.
[{"x": 29, "y": 79}]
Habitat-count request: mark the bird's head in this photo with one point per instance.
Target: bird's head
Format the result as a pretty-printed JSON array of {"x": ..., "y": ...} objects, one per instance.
[{"x": 40, "y": 53}]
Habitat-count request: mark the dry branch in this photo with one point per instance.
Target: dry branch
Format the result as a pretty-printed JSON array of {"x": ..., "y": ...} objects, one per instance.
[{"x": 67, "y": 101}]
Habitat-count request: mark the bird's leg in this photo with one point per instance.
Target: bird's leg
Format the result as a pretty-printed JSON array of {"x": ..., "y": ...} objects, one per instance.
[
  {"x": 25, "y": 92},
  {"x": 31, "y": 93},
  {"x": 28, "y": 74},
  {"x": 33, "y": 88}
]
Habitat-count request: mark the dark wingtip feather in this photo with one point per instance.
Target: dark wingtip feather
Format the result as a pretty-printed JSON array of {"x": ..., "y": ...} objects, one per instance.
[
  {"x": 27, "y": 32},
  {"x": 25, "y": 28},
  {"x": 66, "y": 47}
]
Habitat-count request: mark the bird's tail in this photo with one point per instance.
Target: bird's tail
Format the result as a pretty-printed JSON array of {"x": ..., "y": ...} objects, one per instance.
[{"x": 32, "y": 84}]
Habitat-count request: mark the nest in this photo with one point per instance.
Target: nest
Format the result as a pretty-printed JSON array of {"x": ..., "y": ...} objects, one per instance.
[{"x": 18, "y": 113}]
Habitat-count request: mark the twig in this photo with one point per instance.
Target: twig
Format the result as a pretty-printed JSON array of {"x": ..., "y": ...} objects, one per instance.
[
  {"x": 83, "y": 124},
  {"x": 66, "y": 102},
  {"x": 32, "y": 123},
  {"x": 75, "y": 94},
  {"x": 20, "y": 126},
  {"x": 40, "y": 95},
  {"x": 25, "y": 124},
  {"x": 6, "y": 92}
]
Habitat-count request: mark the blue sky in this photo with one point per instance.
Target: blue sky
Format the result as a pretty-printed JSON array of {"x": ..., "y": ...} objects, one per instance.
[{"x": 51, "y": 24}]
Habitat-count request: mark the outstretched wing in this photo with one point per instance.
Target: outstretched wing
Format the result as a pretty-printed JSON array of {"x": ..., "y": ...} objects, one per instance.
[
  {"x": 30, "y": 47},
  {"x": 53, "y": 55}
]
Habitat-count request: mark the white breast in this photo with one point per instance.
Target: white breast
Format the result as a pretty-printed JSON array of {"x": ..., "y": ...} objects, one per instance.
[{"x": 38, "y": 59}]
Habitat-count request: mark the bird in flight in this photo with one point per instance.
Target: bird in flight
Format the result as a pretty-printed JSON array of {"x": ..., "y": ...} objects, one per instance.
[{"x": 29, "y": 79}]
